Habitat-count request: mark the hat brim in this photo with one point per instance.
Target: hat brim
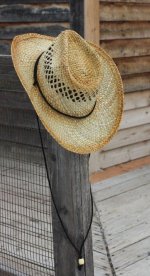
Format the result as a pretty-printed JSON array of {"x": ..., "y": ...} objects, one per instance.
[{"x": 83, "y": 135}]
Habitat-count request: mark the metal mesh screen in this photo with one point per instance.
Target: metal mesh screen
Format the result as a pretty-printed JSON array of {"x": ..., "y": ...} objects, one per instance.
[{"x": 26, "y": 238}]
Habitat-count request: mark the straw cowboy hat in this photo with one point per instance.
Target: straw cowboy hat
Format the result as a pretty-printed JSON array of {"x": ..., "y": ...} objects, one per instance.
[{"x": 74, "y": 86}]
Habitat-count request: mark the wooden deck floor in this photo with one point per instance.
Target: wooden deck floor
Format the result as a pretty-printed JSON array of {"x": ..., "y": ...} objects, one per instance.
[
  {"x": 123, "y": 209},
  {"x": 121, "y": 224}
]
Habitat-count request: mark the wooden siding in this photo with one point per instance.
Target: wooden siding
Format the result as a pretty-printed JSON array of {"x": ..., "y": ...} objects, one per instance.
[
  {"x": 45, "y": 17},
  {"x": 125, "y": 35},
  {"x": 17, "y": 120}
]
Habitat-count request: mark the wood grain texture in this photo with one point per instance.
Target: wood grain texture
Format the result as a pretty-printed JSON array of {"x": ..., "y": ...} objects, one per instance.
[
  {"x": 126, "y": 176},
  {"x": 5, "y": 47},
  {"x": 123, "y": 140},
  {"x": 136, "y": 82},
  {"x": 139, "y": 185},
  {"x": 77, "y": 16},
  {"x": 133, "y": 65},
  {"x": 137, "y": 100},
  {"x": 121, "y": 183},
  {"x": 15, "y": 100},
  {"x": 119, "y": 169},
  {"x": 129, "y": 136},
  {"x": 124, "y": 30},
  {"x": 73, "y": 203},
  {"x": 124, "y": 12},
  {"x": 91, "y": 21},
  {"x": 141, "y": 238},
  {"x": 123, "y": 205},
  {"x": 125, "y": 33},
  {"x": 128, "y": 153},
  {"x": 101, "y": 262},
  {"x": 8, "y": 31},
  {"x": 127, "y": 47},
  {"x": 135, "y": 117},
  {"x": 142, "y": 265},
  {"x": 10, "y": 82},
  {"x": 34, "y": 13}
]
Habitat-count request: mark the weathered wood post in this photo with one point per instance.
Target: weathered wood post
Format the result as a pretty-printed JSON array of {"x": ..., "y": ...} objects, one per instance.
[{"x": 71, "y": 189}]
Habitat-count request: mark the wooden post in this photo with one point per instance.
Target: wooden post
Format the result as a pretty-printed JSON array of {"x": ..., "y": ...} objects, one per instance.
[
  {"x": 91, "y": 21},
  {"x": 71, "y": 189},
  {"x": 77, "y": 16}
]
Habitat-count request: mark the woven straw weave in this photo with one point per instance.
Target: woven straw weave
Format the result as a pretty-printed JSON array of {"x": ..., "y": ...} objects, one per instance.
[{"x": 75, "y": 76}]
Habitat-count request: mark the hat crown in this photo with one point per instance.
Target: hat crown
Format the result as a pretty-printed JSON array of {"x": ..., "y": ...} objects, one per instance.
[{"x": 69, "y": 74}]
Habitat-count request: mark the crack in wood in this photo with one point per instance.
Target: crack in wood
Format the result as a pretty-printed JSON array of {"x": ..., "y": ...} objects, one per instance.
[{"x": 105, "y": 241}]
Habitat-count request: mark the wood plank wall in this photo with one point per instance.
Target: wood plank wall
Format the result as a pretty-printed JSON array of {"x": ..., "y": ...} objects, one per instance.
[
  {"x": 45, "y": 17},
  {"x": 17, "y": 119},
  {"x": 125, "y": 35}
]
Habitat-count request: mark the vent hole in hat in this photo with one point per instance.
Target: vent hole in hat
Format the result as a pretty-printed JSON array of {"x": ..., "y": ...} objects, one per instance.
[{"x": 59, "y": 87}]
